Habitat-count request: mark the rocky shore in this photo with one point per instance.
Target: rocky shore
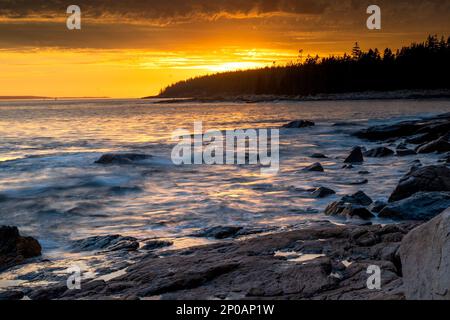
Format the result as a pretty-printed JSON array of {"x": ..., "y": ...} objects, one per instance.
[{"x": 315, "y": 260}]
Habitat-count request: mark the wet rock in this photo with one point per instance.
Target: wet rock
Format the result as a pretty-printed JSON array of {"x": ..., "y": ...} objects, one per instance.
[
  {"x": 352, "y": 211},
  {"x": 317, "y": 167},
  {"x": 419, "y": 131},
  {"x": 425, "y": 258},
  {"x": 15, "y": 249},
  {"x": 420, "y": 206},
  {"x": 219, "y": 232},
  {"x": 125, "y": 158},
  {"x": 156, "y": 244},
  {"x": 379, "y": 152},
  {"x": 440, "y": 145},
  {"x": 319, "y": 156},
  {"x": 404, "y": 152},
  {"x": 430, "y": 178},
  {"x": 363, "y": 172},
  {"x": 377, "y": 206},
  {"x": 323, "y": 192},
  {"x": 106, "y": 243},
  {"x": 11, "y": 295},
  {"x": 299, "y": 124},
  {"x": 347, "y": 166},
  {"x": 251, "y": 268},
  {"x": 355, "y": 156},
  {"x": 357, "y": 199}
]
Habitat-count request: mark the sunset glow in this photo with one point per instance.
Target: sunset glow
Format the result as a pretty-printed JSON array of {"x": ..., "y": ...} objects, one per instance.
[{"x": 137, "y": 51}]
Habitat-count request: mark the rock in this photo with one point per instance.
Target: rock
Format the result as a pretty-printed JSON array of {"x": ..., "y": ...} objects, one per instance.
[
  {"x": 318, "y": 156},
  {"x": 384, "y": 132},
  {"x": 106, "y": 243},
  {"x": 219, "y": 232},
  {"x": 314, "y": 167},
  {"x": 430, "y": 178},
  {"x": 323, "y": 192},
  {"x": 420, "y": 206},
  {"x": 15, "y": 249},
  {"x": 125, "y": 158},
  {"x": 419, "y": 131},
  {"x": 357, "y": 199},
  {"x": 299, "y": 124},
  {"x": 355, "y": 156},
  {"x": 425, "y": 258},
  {"x": 379, "y": 152},
  {"x": 347, "y": 166},
  {"x": 253, "y": 268},
  {"x": 11, "y": 295},
  {"x": 377, "y": 206},
  {"x": 440, "y": 145},
  {"x": 351, "y": 211},
  {"x": 156, "y": 244},
  {"x": 404, "y": 152},
  {"x": 363, "y": 172}
]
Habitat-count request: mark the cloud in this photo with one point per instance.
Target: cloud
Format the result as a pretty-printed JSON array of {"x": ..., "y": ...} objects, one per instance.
[{"x": 163, "y": 11}]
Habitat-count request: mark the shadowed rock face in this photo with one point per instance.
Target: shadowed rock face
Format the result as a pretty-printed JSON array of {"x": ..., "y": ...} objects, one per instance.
[
  {"x": 355, "y": 156},
  {"x": 126, "y": 158},
  {"x": 425, "y": 257},
  {"x": 379, "y": 152},
  {"x": 430, "y": 178},
  {"x": 439, "y": 145},
  {"x": 256, "y": 268},
  {"x": 106, "y": 243},
  {"x": 299, "y": 124},
  {"x": 419, "y": 131},
  {"x": 15, "y": 249},
  {"x": 420, "y": 206}
]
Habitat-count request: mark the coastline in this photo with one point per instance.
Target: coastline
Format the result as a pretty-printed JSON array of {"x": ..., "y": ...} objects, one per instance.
[
  {"x": 325, "y": 259},
  {"x": 352, "y": 96}
]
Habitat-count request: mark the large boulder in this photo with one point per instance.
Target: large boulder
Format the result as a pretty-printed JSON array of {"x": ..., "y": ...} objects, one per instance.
[
  {"x": 430, "y": 178},
  {"x": 439, "y": 145},
  {"x": 15, "y": 249},
  {"x": 121, "y": 158},
  {"x": 425, "y": 259},
  {"x": 299, "y": 124},
  {"x": 420, "y": 206},
  {"x": 355, "y": 156}
]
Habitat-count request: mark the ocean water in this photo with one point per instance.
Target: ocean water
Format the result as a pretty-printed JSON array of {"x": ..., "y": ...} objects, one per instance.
[{"x": 51, "y": 189}]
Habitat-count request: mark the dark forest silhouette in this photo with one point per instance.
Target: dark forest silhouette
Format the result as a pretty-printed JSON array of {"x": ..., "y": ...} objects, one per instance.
[{"x": 419, "y": 66}]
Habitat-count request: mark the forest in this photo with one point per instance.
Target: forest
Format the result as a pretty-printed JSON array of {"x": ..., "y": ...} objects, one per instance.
[{"x": 423, "y": 65}]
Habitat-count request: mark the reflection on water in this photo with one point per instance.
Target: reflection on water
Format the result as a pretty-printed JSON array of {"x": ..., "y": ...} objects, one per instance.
[{"x": 51, "y": 188}]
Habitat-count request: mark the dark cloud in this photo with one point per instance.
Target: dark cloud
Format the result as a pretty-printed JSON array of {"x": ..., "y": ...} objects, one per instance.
[
  {"x": 160, "y": 24},
  {"x": 159, "y": 9}
]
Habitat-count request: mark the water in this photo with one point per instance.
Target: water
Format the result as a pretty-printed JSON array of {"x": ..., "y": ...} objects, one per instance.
[{"x": 51, "y": 189}]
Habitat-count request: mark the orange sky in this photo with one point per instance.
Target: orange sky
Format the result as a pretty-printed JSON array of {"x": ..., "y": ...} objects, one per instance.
[{"x": 135, "y": 48}]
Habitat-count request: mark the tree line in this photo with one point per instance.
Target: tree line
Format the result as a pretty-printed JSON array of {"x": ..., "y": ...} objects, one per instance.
[{"x": 423, "y": 65}]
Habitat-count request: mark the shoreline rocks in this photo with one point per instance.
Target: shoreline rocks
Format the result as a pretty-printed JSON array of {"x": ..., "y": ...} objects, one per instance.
[
  {"x": 16, "y": 249},
  {"x": 429, "y": 178},
  {"x": 425, "y": 257}
]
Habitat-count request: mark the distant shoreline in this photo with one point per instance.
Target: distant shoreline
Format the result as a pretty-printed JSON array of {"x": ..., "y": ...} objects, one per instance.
[
  {"x": 367, "y": 95},
  {"x": 46, "y": 98}
]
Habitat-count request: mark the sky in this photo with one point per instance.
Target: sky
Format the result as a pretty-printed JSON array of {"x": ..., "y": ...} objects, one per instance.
[{"x": 131, "y": 49}]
